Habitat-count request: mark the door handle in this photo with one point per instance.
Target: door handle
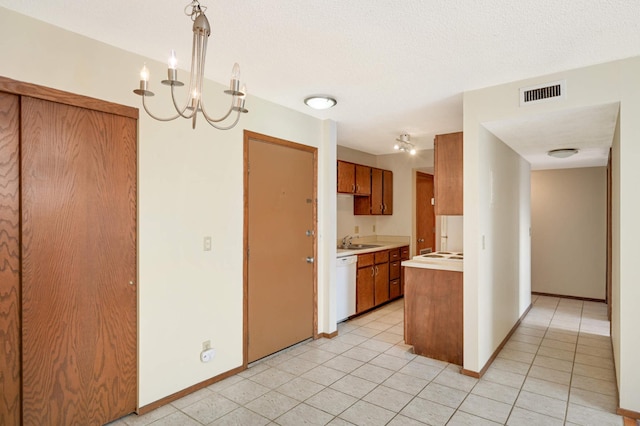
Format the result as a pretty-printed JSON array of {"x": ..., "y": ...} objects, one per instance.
[
  {"x": 310, "y": 233},
  {"x": 310, "y": 259},
  {"x": 421, "y": 240}
]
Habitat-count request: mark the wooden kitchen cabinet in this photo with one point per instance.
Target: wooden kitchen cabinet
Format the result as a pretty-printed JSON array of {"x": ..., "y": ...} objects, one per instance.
[
  {"x": 448, "y": 167},
  {"x": 372, "y": 280},
  {"x": 387, "y": 192},
  {"x": 433, "y": 313},
  {"x": 354, "y": 178},
  {"x": 365, "y": 283},
  {"x": 404, "y": 255},
  {"x": 381, "y": 276},
  {"x": 394, "y": 273},
  {"x": 380, "y": 202}
]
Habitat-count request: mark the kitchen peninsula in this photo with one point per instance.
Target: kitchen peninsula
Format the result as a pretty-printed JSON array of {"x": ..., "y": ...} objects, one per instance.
[{"x": 433, "y": 305}]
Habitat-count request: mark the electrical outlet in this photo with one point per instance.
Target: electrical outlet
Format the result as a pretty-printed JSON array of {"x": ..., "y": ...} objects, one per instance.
[
  {"x": 207, "y": 355},
  {"x": 356, "y": 230},
  {"x": 206, "y": 345},
  {"x": 207, "y": 243}
]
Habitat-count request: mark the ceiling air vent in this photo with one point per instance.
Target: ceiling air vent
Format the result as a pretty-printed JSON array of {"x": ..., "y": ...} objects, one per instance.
[{"x": 543, "y": 92}]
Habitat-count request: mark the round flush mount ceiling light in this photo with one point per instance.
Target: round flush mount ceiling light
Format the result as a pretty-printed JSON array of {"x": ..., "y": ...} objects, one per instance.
[
  {"x": 320, "y": 101},
  {"x": 562, "y": 152}
]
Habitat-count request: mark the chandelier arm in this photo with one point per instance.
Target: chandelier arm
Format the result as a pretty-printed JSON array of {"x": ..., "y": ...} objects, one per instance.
[
  {"x": 217, "y": 120},
  {"x": 178, "y": 110},
  {"x": 231, "y": 126},
  {"x": 144, "y": 104}
]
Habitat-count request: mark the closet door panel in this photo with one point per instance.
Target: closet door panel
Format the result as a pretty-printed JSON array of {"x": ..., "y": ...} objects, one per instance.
[
  {"x": 10, "y": 385},
  {"x": 79, "y": 264}
]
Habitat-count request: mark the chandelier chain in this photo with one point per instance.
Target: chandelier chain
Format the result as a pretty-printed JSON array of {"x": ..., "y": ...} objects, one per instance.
[{"x": 196, "y": 9}]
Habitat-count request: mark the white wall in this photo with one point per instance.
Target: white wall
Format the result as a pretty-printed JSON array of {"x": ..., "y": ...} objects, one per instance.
[
  {"x": 595, "y": 85},
  {"x": 497, "y": 249},
  {"x": 190, "y": 184},
  {"x": 569, "y": 219}
]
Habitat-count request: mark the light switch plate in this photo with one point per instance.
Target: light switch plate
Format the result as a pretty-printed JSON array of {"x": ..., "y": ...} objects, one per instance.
[{"x": 207, "y": 243}]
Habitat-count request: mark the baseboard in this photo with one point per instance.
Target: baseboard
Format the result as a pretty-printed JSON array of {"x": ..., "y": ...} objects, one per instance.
[
  {"x": 174, "y": 397},
  {"x": 563, "y": 296},
  {"x": 484, "y": 369},
  {"x": 630, "y": 414},
  {"x": 328, "y": 335}
]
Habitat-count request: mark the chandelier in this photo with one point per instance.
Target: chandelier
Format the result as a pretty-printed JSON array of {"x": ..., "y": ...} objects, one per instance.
[
  {"x": 403, "y": 145},
  {"x": 195, "y": 103}
]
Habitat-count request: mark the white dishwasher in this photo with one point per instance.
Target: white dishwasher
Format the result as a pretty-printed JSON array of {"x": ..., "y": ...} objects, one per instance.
[{"x": 346, "y": 287}]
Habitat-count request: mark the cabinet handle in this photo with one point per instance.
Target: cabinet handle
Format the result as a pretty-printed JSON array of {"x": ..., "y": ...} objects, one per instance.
[
  {"x": 373, "y": 271},
  {"x": 357, "y": 187},
  {"x": 421, "y": 240},
  {"x": 353, "y": 187}
]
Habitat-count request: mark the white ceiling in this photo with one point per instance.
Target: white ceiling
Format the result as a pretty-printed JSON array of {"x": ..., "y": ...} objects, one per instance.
[
  {"x": 393, "y": 66},
  {"x": 590, "y": 129}
]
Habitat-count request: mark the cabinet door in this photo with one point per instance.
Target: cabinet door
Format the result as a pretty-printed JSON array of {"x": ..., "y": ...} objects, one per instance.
[
  {"x": 346, "y": 177},
  {"x": 365, "y": 289},
  {"x": 376, "y": 191},
  {"x": 363, "y": 180},
  {"x": 381, "y": 283},
  {"x": 394, "y": 269},
  {"x": 404, "y": 253},
  {"x": 448, "y": 174},
  {"x": 387, "y": 192},
  {"x": 394, "y": 289}
]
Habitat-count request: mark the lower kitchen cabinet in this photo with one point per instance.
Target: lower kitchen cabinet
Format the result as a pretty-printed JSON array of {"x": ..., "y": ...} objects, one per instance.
[
  {"x": 365, "y": 293},
  {"x": 381, "y": 283},
  {"x": 394, "y": 274},
  {"x": 379, "y": 277},
  {"x": 404, "y": 255},
  {"x": 433, "y": 314}
]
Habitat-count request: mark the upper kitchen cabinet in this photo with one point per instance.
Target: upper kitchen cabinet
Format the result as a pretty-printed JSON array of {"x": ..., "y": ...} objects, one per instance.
[
  {"x": 448, "y": 174},
  {"x": 380, "y": 202},
  {"x": 354, "y": 178}
]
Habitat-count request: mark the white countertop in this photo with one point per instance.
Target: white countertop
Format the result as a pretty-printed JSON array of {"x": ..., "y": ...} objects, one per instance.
[
  {"x": 380, "y": 245},
  {"x": 448, "y": 262}
]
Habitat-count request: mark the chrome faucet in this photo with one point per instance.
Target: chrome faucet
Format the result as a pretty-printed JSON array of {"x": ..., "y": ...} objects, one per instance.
[{"x": 346, "y": 241}]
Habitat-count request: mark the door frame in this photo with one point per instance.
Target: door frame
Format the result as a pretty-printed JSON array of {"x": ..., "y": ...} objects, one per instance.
[
  {"x": 415, "y": 209},
  {"x": 245, "y": 238}
]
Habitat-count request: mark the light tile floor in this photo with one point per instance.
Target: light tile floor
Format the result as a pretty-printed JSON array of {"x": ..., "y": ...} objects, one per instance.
[{"x": 556, "y": 368}]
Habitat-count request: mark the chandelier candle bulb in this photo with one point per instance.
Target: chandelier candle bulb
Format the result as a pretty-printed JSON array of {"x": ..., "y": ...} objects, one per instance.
[
  {"x": 172, "y": 70},
  {"x": 144, "y": 73},
  {"x": 173, "y": 61}
]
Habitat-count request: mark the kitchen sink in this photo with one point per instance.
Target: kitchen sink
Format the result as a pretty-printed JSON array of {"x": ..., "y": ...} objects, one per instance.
[{"x": 358, "y": 246}]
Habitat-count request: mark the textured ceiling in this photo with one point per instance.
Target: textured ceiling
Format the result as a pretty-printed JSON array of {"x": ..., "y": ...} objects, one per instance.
[{"x": 393, "y": 66}]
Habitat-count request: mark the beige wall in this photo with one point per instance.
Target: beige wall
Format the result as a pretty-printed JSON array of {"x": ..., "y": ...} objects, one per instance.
[
  {"x": 190, "y": 184},
  {"x": 595, "y": 85},
  {"x": 568, "y": 228}
]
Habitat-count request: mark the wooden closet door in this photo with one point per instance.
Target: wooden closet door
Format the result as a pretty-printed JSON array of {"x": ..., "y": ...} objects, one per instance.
[
  {"x": 10, "y": 385},
  {"x": 79, "y": 340}
]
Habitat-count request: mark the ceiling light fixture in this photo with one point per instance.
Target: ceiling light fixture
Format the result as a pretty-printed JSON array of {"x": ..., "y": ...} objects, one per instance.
[
  {"x": 562, "y": 152},
  {"x": 402, "y": 144},
  {"x": 320, "y": 102},
  {"x": 195, "y": 103}
]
